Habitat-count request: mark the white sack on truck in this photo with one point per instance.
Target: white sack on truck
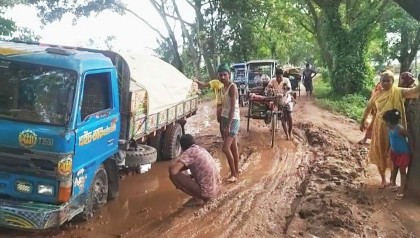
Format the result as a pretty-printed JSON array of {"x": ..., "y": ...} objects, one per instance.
[{"x": 165, "y": 85}]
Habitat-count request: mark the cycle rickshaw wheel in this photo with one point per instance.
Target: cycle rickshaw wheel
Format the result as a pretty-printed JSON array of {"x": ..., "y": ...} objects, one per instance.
[{"x": 273, "y": 128}]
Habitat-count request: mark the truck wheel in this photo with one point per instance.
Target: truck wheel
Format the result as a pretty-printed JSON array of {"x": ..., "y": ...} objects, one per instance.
[
  {"x": 171, "y": 146},
  {"x": 143, "y": 155},
  {"x": 97, "y": 196},
  {"x": 157, "y": 143}
]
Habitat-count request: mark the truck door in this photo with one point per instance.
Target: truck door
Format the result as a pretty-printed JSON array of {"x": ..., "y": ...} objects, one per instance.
[{"x": 98, "y": 125}]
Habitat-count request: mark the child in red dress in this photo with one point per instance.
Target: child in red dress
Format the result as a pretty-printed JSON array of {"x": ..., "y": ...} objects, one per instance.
[{"x": 399, "y": 150}]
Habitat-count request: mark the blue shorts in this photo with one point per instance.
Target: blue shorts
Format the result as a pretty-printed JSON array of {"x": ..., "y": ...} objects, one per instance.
[{"x": 234, "y": 127}]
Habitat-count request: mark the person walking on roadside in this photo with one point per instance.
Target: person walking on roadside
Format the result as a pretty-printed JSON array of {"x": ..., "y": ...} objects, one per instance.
[
  {"x": 204, "y": 182},
  {"x": 390, "y": 97},
  {"x": 230, "y": 121},
  {"x": 217, "y": 87},
  {"x": 307, "y": 76}
]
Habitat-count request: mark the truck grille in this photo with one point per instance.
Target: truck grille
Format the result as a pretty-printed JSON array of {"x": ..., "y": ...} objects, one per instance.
[{"x": 43, "y": 167}]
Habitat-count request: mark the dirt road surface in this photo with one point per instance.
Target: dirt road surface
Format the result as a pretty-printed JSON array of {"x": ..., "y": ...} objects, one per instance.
[{"x": 318, "y": 185}]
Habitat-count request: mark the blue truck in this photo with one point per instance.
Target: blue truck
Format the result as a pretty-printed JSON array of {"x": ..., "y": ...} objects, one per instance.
[
  {"x": 239, "y": 75},
  {"x": 72, "y": 119}
]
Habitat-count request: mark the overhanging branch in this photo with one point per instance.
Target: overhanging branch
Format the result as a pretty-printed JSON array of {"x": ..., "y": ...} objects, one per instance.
[
  {"x": 178, "y": 19},
  {"x": 140, "y": 18}
]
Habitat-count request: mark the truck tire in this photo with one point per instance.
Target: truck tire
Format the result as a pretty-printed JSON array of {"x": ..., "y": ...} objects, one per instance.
[
  {"x": 157, "y": 143},
  {"x": 171, "y": 146},
  {"x": 143, "y": 155},
  {"x": 97, "y": 195}
]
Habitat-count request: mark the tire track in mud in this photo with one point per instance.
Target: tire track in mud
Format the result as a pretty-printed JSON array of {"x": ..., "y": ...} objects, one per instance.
[
  {"x": 256, "y": 192},
  {"x": 234, "y": 209}
]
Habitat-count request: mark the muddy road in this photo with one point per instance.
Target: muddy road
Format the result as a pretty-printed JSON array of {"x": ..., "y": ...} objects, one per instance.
[{"x": 317, "y": 185}]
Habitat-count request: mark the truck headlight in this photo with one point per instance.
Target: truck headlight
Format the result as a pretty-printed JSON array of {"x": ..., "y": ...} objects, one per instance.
[
  {"x": 23, "y": 186},
  {"x": 47, "y": 190}
]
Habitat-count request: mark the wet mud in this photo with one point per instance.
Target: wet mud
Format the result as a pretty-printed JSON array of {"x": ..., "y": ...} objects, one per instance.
[{"x": 312, "y": 186}]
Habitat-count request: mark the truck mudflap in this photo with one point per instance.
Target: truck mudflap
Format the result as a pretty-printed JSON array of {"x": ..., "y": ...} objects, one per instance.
[{"x": 33, "y": 216}]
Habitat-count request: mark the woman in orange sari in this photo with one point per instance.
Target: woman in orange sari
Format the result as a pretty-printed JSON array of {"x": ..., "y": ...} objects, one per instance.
[
  {"x": 390, "y": 97},
  {"x": 368, "y": 133}
]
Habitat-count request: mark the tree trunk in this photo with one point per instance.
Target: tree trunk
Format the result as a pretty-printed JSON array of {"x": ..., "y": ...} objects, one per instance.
[
  {"x": 413, "y": 122},
  {"x": 316, "y": 30},
  {"x": 193, "y": 51},
  {"x": 349, "y": 68},
  {"x": 408, "y": 49},
  {"x": 325, "y": 53},
  {"x": 203, "y": 49},
  {"x": 173, "y": 42},
  {"x": 405, "y": 65}
]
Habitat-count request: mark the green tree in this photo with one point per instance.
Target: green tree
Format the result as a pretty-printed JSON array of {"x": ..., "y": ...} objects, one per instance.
[
  {"x": 345, "y": 27},
  {"x": 7, "y": 26},
  {"x": 405, "y": 31},
  {"x": 26, "y": 35}
]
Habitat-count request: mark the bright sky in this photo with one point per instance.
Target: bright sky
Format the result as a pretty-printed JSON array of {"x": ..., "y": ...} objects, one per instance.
[{"x": 131, "y": 33}]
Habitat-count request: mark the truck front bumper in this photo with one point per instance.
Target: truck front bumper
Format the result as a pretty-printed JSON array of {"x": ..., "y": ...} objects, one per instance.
[{"x": 32, "y": 216}]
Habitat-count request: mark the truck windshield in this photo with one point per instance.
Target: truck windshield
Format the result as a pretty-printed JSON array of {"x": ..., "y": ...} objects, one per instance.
[
  {"x": 239, "y": 75},
  {"x": 35, "y": 93}
]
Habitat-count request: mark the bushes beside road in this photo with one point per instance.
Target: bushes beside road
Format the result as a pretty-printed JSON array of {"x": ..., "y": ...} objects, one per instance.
[{"x": 351, "y": 105}]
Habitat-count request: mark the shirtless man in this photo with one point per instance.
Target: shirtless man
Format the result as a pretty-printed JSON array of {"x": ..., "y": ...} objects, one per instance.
[{"x": 308, "y": 75}]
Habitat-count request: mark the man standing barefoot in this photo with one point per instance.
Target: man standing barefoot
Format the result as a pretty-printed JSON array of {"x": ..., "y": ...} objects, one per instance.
[
  {"x": 230, "y": 121},
  {"x": 308, "y": 75}
]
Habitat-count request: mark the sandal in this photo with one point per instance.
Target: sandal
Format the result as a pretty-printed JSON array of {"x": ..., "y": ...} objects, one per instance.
[{"x": 399, "y": 196}]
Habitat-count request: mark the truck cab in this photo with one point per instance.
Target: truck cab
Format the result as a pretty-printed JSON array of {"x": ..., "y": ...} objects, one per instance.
[{"x": 68, "y": 121}]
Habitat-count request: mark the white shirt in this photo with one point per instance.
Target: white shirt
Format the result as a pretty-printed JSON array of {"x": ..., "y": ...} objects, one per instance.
[{"x": 279, "y": 87}]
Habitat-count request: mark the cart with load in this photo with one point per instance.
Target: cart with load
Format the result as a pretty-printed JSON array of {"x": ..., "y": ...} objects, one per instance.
[{"x": 295, "y": 78}]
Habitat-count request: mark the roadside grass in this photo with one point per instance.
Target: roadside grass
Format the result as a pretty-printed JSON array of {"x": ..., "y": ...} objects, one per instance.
[{"x": 351, "y": 105}]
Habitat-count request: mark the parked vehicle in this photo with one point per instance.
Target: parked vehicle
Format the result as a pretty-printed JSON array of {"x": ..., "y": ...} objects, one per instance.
[
  {"x": 268, "y": 67},
  {"x": 240, "y": 78},
  {"x": 71, "y": 119}
]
